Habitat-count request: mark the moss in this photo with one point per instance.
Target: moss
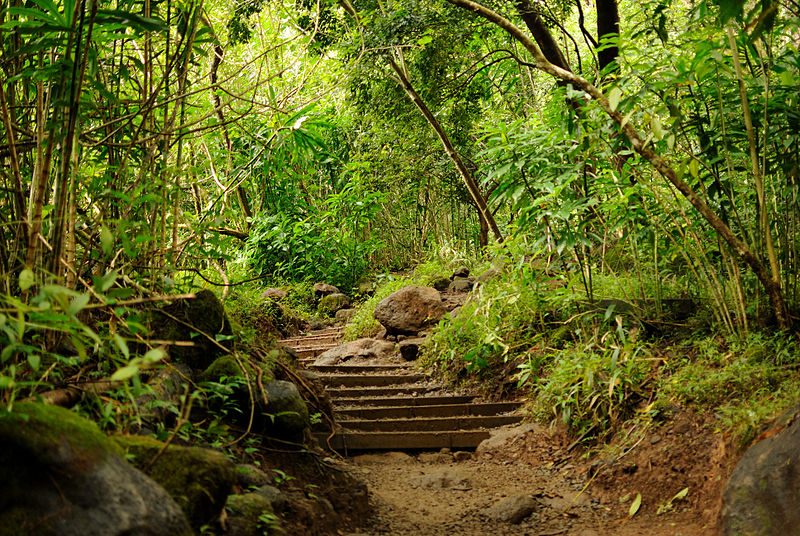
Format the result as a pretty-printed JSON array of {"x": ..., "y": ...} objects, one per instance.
[
  {"x": 43, "y": 430},
  {"x": 251, "y": 514},
  {"x": 198, "y": 479},
  {"x": 222, "y": 367}
]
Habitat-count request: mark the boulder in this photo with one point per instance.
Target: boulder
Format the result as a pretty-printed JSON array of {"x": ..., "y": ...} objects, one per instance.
[
  {"x": 361, "y": 348},
  {"x": 62, "y": 476},
  {"x": 204, "y": 315},
  {"x": 410, "y": 348},
  {"x": 251, "y": 514},
  {"x": 198, "y": 479},
  {"x": 461, "y": 284},
  {"x": 410, "y": 309},
  {"x": 445, "y": 479},
  {"x": 249, "y": 476},
  {"x": 511, "y": 510},
  {"x": 489, "y": 274},
  {"x": 165, "y": 390},
  {"x": 274, "y": 294},
  {"x": 763, "y": 493},
  {"x": 460, "y": 272},
  {"x": 286, "y": 412},
  {"x": 440, "y": 283},
  {"x": 331, "y": 303},
  {"x": 324, "y": 289},
  {"x": 343, "y": 316}
]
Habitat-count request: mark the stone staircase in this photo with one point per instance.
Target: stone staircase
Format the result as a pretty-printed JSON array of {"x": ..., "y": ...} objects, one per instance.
[{"x": 395, "y": 406}]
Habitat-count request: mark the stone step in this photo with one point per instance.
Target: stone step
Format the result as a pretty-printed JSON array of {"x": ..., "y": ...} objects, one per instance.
[
  {"x": 369, "y": 380},
  {"x": 347, "y": 369},
  {"x": 311, "y": 352},
  {"x": 432, "y": 424},
  {"x": 400, "y": 401},
  {"x": 410, "y": 411},
  {"x": 382, "y": 392},
  {"x": 351, "y": 441}
]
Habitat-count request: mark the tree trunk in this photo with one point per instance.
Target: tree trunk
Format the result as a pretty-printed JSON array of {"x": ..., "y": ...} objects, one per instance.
[
  {"x": 607, "y": 26},
  {"x": 469, "y": 181},
  {"x": 771, "y": 285}
]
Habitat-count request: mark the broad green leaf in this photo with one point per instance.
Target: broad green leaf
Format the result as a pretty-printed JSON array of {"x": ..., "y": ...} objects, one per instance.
[
  {"x": 6, "y": 382},
  {"x": 694, "y": 168},
  {"x": 104, "y": 283},
  {"x": 26, "y": 279},
  {"x": 34, "y": 361},
  {"x": 658, "y": 131},
  {"x": 125, "y": 373},
  {"x": 613, "y": 98},
  {"x": 637, "y": 502},
  {"x": 77, "y": 304}
]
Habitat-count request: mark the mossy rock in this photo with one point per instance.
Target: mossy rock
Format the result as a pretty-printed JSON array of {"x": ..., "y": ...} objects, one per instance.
[
  {"x": 198, "y": 479},
  {"x": 333, "y": 302},
  {"x": 201, "y": 320},
  {"x": 287, "y": 413},
  {"x": 62, "y": 476},
  {"x": 440, "y": 283},
  {"x": 251, "y": 514}
]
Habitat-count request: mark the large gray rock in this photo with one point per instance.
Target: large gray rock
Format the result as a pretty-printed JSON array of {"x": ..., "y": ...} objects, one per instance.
[
  {"x": 61, "y": 476},
  {"x": 273, "y": 293},
  {"x": 762, "y": 497},
  {"x": 361, "y": 348},
  {"x": 287, "y": 413},
  {"x": 410, "y": 309}
]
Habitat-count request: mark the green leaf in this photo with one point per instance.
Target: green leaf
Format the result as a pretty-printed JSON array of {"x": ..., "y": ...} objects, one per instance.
[
  {"x": 104, "y": 283},
  {"x": 77, "y": 304},
  {"x": 125, "y": 373},
  {"x": 658, "y": 130},
  {"x": 34, "y": 361},
  {"x": 637, "y": 502},
  {"x": 154, "y": 356},
  {"x": 106, "y": 241},
  {"x": 26, "y": 279},
  {"x": 681, "y": 494},
  {"x": 613, "y": 98},
  {"x": 6, "y": 382},
  {"x": 122, "y": 345}
]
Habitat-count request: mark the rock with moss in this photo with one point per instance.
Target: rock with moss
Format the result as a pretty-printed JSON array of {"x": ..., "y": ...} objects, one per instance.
[
  {"x": 251, "y": 514},
  {"x": 202, "y": 321},
  {"x": 440, "y": 283},
  {"x": 763, "y": 493},
  {"x": 62, "y": 476},
  {"x": 333, "y": 302},
  {"x": 198, "y": 479},
  {"x": 286, "y": 412}
]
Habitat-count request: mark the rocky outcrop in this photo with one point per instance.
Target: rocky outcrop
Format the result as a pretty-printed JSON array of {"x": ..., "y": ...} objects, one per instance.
[
  {"x": 409, "y": 310},
  {"x": 343, "y": 316},
  {"x": 511, "y": 510},
  {"x": 63, "y": 477},
  {"x": 361, "y": 348},
  {"x": 763, "y": 493}
]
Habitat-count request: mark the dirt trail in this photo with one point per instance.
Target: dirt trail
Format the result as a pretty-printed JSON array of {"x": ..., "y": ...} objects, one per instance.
[{"x": 439, "y": 494}]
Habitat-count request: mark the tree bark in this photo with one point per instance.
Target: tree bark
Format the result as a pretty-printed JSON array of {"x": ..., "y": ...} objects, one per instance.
[
  {"x": 771, "y": 285},
  {"x": 466, "y": 176},
  {"x": 541, "y": 34},
  {"x": 607, "y": 26}
]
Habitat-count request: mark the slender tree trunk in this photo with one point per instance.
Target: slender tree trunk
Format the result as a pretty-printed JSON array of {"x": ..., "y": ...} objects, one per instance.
[
  {"x": 541, "y": 34},
  {"x": 771, "y": 285},
  {"x": 467, "y": 177}
]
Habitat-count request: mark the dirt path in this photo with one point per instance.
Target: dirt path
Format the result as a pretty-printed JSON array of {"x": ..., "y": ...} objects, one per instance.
[{"x": 439, "y": 494}]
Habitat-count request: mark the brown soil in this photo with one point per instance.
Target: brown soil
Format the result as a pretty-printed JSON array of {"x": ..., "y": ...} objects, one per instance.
[{"x": 575, "y": 494}]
